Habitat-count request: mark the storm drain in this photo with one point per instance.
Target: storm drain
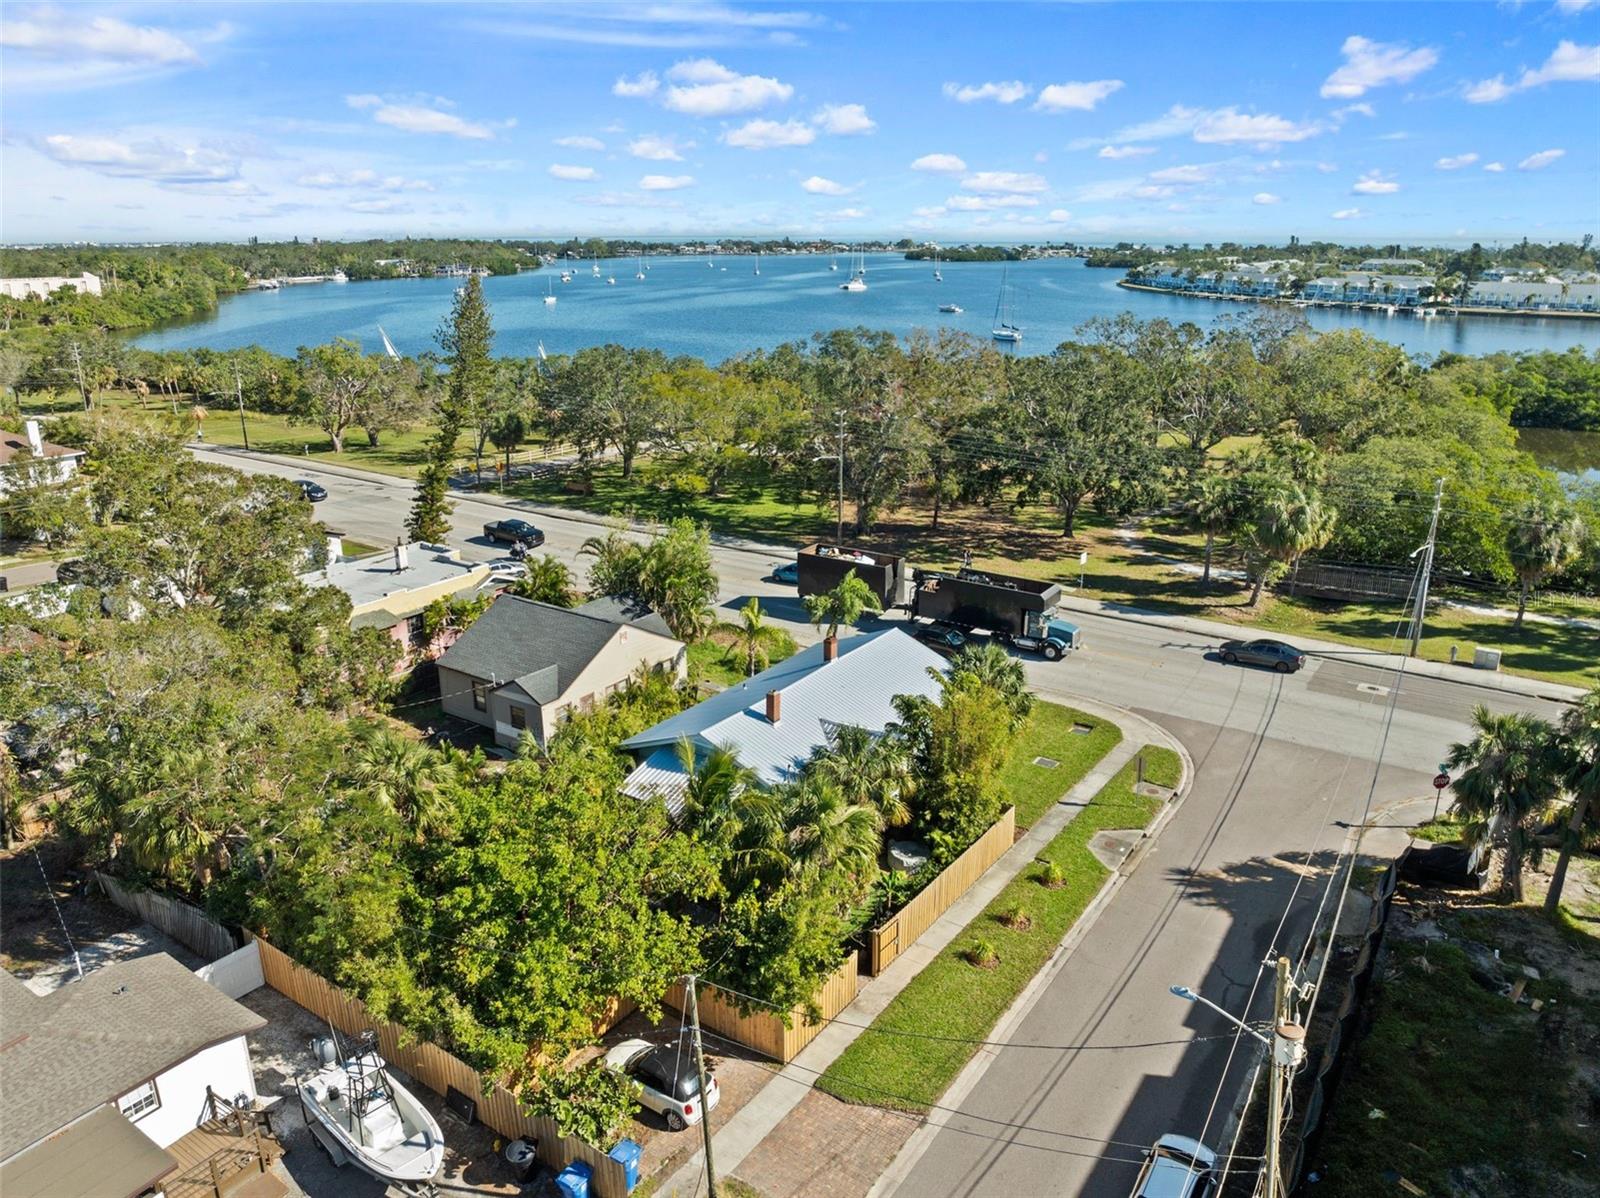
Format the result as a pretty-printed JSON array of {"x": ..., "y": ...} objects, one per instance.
[
  {"x": 1082, "y": 729},
  {"x": 1048, "y": 763}
]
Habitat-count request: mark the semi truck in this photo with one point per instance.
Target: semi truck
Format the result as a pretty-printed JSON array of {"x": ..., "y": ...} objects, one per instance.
[
  {"x": 1020, "y": 611},
  {"x": 823, "y": 567}
]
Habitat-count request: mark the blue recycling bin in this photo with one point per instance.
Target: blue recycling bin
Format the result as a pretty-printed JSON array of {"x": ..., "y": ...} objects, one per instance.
[
  {"x": 573, "y": 1181},
  {"x": 627, "y": 1153}
]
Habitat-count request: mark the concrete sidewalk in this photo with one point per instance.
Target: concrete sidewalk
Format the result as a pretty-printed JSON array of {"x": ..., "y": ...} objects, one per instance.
[{"x": 762, "y": 1114}]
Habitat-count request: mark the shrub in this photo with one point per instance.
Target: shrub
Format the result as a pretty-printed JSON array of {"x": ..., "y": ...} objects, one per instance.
[
  {"x": 982, "y": 953},
  {"x": 591, "y": 1102},
  {"x": 1052, "y": 875},
  {"x": 1016, "y": 918}
]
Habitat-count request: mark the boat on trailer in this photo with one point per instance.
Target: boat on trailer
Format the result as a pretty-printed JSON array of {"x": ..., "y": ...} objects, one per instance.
[{"x": 359, "y": 1111}]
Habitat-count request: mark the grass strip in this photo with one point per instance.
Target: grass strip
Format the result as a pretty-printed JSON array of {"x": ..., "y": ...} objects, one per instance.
[
  {"x": 954, "y": 998},
  {"x": 1034, "y": 789}
]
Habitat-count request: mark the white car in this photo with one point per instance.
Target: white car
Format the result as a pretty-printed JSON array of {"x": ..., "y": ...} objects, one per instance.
[
  {"x": 507, "y": 569},
  {"x": 1177, "y": 1167},
  {"x": 666, "y": 1075}
]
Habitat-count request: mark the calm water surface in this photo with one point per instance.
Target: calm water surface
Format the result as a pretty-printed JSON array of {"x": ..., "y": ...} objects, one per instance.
[
  {"x": 1574, "y": 455},
  {"x": 684, "y": 307}
]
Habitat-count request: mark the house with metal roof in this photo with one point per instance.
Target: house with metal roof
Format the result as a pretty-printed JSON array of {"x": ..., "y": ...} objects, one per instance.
[
  {"x": 99, "y": 1079},
  {"x": 523, "y": 666},
  {"x": 774, "y": 721}
]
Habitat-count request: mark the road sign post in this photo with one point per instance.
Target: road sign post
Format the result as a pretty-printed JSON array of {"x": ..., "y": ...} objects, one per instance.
[{"x": 1440, "y": 781}]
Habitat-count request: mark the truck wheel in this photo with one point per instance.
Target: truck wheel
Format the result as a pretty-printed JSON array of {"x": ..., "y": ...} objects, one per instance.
[{"x": 1052, "y": 652}]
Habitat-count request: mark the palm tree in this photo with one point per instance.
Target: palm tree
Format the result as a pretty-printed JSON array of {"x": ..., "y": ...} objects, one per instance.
[
  {"x": 403, "y": 775},
  {"x": 1213, "y": 508},
  {"x": 845, "y": 604},
  {"x": 989, "y": 665},
  {"x": 1507, "y": 784},
  {"x": 824, "y": 830},
  {"x": 752, "y": 636},
  {"x": 1579, "y": 754},
  {"x": 1541, "y": 538},
  {"x": 869, "y": 771},
  {"x": 1290, "y": 521},
  {"x": 547, "y": 580}
]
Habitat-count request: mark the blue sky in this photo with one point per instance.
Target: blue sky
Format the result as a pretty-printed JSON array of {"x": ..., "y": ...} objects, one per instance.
[{"x": 1097, "y": 122}]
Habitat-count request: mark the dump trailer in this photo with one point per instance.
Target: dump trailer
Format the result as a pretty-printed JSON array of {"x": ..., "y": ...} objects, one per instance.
[
  {"x": 822, "y": 567},
  {"x": 1020, "y": 611}
]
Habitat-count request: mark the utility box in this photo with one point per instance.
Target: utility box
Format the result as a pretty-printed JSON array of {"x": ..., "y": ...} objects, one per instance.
[
  {"x": 1485, "y": 659},
  {"x": 823, "y": 567}
]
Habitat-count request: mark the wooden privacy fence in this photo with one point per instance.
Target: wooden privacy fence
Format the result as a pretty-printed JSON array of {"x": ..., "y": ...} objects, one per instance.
[
  {"x": 184, "y": 923},
  {"x": 897, "y": 933},
  {"x": 764, "y": 1030},
  {"x": 438, "y": 1070}
]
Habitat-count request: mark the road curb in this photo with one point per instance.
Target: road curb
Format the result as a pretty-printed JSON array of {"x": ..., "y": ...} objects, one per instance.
[{"x": 890, "y": 1180}]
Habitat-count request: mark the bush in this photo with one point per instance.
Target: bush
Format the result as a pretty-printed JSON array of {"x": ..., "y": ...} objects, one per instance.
[
  {"x": 1016, "y": 918},
  {"x": 1052, "y": 875},
  {"x": 982, "y": 953},
  {"x": 591, "y": 1102}
]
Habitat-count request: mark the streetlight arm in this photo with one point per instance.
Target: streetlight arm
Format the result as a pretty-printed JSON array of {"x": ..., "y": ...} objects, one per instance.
[{"x": 1189, "y": 995}]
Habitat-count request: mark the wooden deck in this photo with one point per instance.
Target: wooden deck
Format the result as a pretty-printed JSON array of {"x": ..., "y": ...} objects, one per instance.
[{"x": 214, "y": 1155}]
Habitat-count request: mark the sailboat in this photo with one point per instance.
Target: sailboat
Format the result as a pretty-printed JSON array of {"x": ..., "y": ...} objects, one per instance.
[
  {"x": 640, "y": 274},
  {"x": 1005, "y": 325},
  {"x": 388, "y": 346},
  {"x": 857, "y": 280},
  {"x": 550, "y": 290},
  {"x": 758, "y": 262},
  {"x": 937, "y": 277},
  {"x": 597, "y": 270},
  {"x": 369, "y": 1117},
  {"x": 834, "y": 265}
]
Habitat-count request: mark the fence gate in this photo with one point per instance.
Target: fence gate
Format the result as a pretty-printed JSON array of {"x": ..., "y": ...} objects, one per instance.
[{"x": 885, "y": 946}]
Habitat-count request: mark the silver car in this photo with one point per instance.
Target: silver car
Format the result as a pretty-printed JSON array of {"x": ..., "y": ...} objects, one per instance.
[
  {"x": 668, "y": 1082},
  {"x": 1177, "y": 1167}
]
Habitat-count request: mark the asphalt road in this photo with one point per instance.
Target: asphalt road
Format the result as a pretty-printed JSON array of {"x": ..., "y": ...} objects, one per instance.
[{"x": 1280, "y": 761}]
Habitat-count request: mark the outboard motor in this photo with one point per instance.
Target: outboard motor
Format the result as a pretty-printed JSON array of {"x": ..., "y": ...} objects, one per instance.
[{"x": 323, "y": 1050}]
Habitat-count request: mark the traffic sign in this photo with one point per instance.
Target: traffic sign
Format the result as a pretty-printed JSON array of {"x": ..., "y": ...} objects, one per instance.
[{"x": 1440, "y": 781}]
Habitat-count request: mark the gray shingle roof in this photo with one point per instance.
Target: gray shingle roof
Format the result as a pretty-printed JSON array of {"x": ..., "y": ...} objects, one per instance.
[
  {"x": 625, "y": 611},
  {"x": 517, "y": 638},
  {"x": 64, "y": 1054}
]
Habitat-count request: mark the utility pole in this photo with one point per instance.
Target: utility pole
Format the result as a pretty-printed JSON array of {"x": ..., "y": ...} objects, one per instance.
[
  {"x": 1288, "y": 1049},
  {"x": 700, "y": 1072},
  {"x": 77, "y": 361},
  {"x": 238, "y": 391},
  {"x": 1427, "y": 569}
]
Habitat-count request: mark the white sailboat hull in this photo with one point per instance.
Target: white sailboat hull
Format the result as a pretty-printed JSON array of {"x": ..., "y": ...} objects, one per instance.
[{"x": 395, "y": 1141}]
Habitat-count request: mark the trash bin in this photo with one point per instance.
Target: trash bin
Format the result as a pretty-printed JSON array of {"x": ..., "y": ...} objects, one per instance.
[
  {"x": 627, "y": 1153},
  {"x": 523, "y": 1159},
  {"x": 573, "y": 1181}
]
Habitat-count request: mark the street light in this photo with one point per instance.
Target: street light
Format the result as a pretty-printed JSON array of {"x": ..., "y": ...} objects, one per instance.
[{"x": 1189, "y": 995}]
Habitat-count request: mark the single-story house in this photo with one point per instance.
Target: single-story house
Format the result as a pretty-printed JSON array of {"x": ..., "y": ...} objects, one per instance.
[
  {"x": 777, "y": 719},
  {"x": 26, "y": 458},
  {"x": 41, "y": 286},
  {"x": 523, "y": 666},
  {"x": 100, "y": 1078},
  {"x": 391, "y": 589}
]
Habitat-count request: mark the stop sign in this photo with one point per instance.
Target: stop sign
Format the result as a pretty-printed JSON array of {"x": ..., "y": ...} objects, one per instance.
[{"x": 1440, "y": 781}]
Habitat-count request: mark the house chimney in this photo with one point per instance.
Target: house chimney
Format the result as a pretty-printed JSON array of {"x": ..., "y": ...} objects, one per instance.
[
  {"x": 335, "y": 548},
  {"x": 830, "y": 648},
  {"x": 401, "y": 558},
  {"x": 35, "y": 440},
  {"x": 774, "y": 706}
]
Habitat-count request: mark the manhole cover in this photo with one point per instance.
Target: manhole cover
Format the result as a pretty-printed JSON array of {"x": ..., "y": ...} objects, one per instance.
[
  {"x": 1049, "y": 763},
  {"x": 1372, "y": 688},
  {"x": 1082, "y": 729}
]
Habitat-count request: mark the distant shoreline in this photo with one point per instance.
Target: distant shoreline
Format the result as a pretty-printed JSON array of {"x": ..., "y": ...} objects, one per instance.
[{"x": 1451, "y": 310}]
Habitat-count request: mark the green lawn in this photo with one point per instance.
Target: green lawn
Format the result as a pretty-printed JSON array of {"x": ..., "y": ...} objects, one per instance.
[
  {"x": 953, "y": 998},
  {"x": 717, "y": 659},
  {"x": 1049, "y": 733}
]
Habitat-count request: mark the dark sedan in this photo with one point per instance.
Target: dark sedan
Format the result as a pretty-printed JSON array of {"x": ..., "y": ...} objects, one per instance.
[
  {"x": 516, "y": 532},
  {"x": 311, "y": 492},
  {"x": 1275, "y": 655},
  {"x": 941, "y": 638}
]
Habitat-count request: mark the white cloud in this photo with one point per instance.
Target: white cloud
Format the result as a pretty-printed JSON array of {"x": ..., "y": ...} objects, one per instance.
[
  {"x": 1003, "y": 182},
  {"x": 363, "y": 179},
  {"x": 1041, "y": 156},
  {"x": 1175, "y": 122},
  {"x": 1125, "y": 151},
  {"x": 377, "y": 206},
  {"x": 419, "y": 118},
  {"x": 1004, "y": 93},
  {"x": 1454, "y": 162},
  {"x": 1230, "y": 125},
  {"x": 1080, "y": 97},
  {"x": 581, "y": 143},
  {"x": 1569, "y": 62},
  {"x": 1115, "y": 190},
  {"x": 844, "y": 120},
  {"x": 642, "y": 86},
  {"x": 1494, "y": 167},
  {"x": 1266, "y": 197},
  {"x": 989, "y": 203},
  {"x": 1537, "y": 162},
  {"x": 818, "y": 186},
  {"x": 1488, "y": 91},
  {"x": 658, "y": 149},
  {"x": 1361, "y": 109},
  {"x": 572, "y": 174},
  {"x": 1374, "y": 183},
  {"x": 666, "y": 182},
  {"x": 1194, "y": 173},
  {"x": 62, "y": 34},
  {"x": 1368, "y": 64},
  {"x": 767, "y": 135},
  {"x": 1569, "y": 7},
  {"x": 1326, "y": 168},
  {"x": 704, "y": 87},
  {"x": 158, "y": 159},
  {"x": 849, "y": 214},
  {"x": 1348, "y": 214},
  {"x": 946, "y": 163},
  {"x": 1059, "y": 216}
]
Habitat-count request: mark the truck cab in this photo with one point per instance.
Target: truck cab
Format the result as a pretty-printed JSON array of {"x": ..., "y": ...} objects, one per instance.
[{"x": 1045, "y": 632}]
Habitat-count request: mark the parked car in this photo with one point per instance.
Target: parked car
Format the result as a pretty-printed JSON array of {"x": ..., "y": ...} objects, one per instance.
[
  {"x": 669, "y": 1083},
  {"x": 788, "y": 573},
  {"x": 74, "y": 569},
  {"x": 517, "y": 532},
  {"x": 941, "y": 638},
  {"x": 311, "y": 492},
  {"x": 507, "y": 569},
  {"x": 1177, "y": 1167},
  {"x": 1286, "y": 659}
]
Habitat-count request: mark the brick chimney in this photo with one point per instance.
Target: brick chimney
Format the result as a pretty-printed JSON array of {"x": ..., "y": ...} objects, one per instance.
[
  {"x": 830, "y": 648},
  {"x": 774, "y": 706}
]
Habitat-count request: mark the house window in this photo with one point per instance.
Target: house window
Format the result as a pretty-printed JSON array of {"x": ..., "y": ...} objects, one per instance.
[
  {"x": 519, "y": 717},
  {"x": 416, "y": 631},
  {"x": 480, "y": 696},
  {"x": 140, "y": 1102}
]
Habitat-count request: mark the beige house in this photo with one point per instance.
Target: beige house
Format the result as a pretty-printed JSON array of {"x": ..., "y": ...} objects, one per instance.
[{"x": 524, "y": 666}]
